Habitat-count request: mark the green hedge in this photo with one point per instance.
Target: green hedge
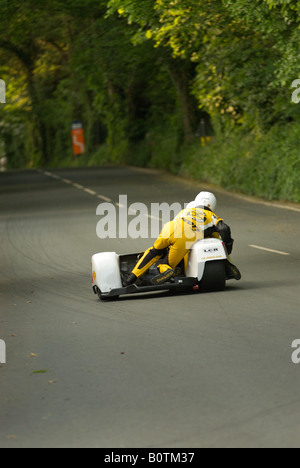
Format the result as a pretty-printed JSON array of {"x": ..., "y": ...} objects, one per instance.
[{"x": 266, "y": 165}]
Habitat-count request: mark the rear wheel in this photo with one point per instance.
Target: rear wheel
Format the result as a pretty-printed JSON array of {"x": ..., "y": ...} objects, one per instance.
[{"x": 214, "y": 277}]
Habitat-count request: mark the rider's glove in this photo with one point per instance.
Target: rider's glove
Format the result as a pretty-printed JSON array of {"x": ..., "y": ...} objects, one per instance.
[{"x": 229, "y": 246}]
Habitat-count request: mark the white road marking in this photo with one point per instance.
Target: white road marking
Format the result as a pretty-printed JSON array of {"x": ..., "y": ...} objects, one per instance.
[
  {"x": 78, "y": 186},
  {"x": 91, "y": 192},
  {"x": 269, "y": 250},
  {"x": 283, "y": 206},
  {"x": 102, "y": 197},
  {"x": 75, "y": 185},
  {"x": 153, "y": 217}
]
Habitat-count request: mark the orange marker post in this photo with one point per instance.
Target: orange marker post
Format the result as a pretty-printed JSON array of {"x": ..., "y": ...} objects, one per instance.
[{"x": 78, "y": 138}]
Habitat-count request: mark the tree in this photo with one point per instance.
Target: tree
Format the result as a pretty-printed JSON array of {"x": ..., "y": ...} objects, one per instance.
[
  {"x": 244, "y": 52},
  {"x": 127, "y": 68},
  {"x": 153, "y": 21}
]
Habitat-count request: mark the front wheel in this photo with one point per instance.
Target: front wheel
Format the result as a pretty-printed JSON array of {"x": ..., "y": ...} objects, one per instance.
[{"x": 214, "y": 277}]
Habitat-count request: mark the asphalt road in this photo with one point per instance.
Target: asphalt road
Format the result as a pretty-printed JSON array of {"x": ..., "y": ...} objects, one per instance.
[{"x": 207, "y": 370}]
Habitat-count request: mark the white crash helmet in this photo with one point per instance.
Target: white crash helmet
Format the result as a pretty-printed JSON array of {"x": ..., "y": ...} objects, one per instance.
[
  {"x": 206, "y": 199},
  {"x": 190, "y": 205}
]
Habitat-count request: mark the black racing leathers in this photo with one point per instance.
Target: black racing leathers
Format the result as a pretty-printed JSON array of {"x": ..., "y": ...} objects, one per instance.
[{"x": 225, "y": 233}]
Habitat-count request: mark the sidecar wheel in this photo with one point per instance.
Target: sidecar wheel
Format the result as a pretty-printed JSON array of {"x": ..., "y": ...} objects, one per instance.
[
  {"x": 105, "y": 298},
  {"x": 109, "y": 299}
]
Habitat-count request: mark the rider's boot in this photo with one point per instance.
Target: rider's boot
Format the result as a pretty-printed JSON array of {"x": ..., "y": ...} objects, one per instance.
[
  {"x": 232, "y": 271},
  {"x": 166, "y": 273},
  {"x": 131, "y": 279}
]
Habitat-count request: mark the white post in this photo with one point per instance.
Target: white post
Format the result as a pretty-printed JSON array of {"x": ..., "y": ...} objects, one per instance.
[
  {"x": 2, "y": 92},
  {"x": 2, "y": 352}
]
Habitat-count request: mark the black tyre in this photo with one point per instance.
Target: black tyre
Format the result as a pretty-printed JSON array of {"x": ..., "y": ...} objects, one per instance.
[
  {"x": 214, "y": 278},
  {"x": 105, "y": 298}
]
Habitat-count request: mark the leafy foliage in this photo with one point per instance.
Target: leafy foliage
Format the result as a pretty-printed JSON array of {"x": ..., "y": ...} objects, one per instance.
[{"x": 148, "y": 77}]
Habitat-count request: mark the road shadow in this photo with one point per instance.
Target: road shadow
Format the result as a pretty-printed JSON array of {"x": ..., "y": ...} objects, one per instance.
[
  {"x": 262, "y": 284},
  {"x": 231, "y": 287}
]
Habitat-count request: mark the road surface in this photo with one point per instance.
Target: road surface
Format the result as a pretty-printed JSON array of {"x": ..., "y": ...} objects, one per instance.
[{"x": 163, "y": 371}]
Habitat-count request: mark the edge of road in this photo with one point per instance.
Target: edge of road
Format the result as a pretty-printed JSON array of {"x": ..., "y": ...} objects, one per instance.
[
  {"x": 190, "y": 182},
  {"x": 281, "y": 204}
]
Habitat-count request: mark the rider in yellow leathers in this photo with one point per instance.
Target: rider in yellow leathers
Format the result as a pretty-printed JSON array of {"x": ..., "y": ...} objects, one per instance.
[{"x": 196, "y": 222}]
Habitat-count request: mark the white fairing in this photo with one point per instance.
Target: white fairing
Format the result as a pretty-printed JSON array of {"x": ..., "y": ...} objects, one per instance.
[
  {"x": 203, "y": 251},
  {"x": 106, "y": 271}
]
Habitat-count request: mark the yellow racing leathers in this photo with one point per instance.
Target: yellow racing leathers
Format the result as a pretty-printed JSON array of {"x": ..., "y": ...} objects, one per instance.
[{"x": 179, "y": 236}]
